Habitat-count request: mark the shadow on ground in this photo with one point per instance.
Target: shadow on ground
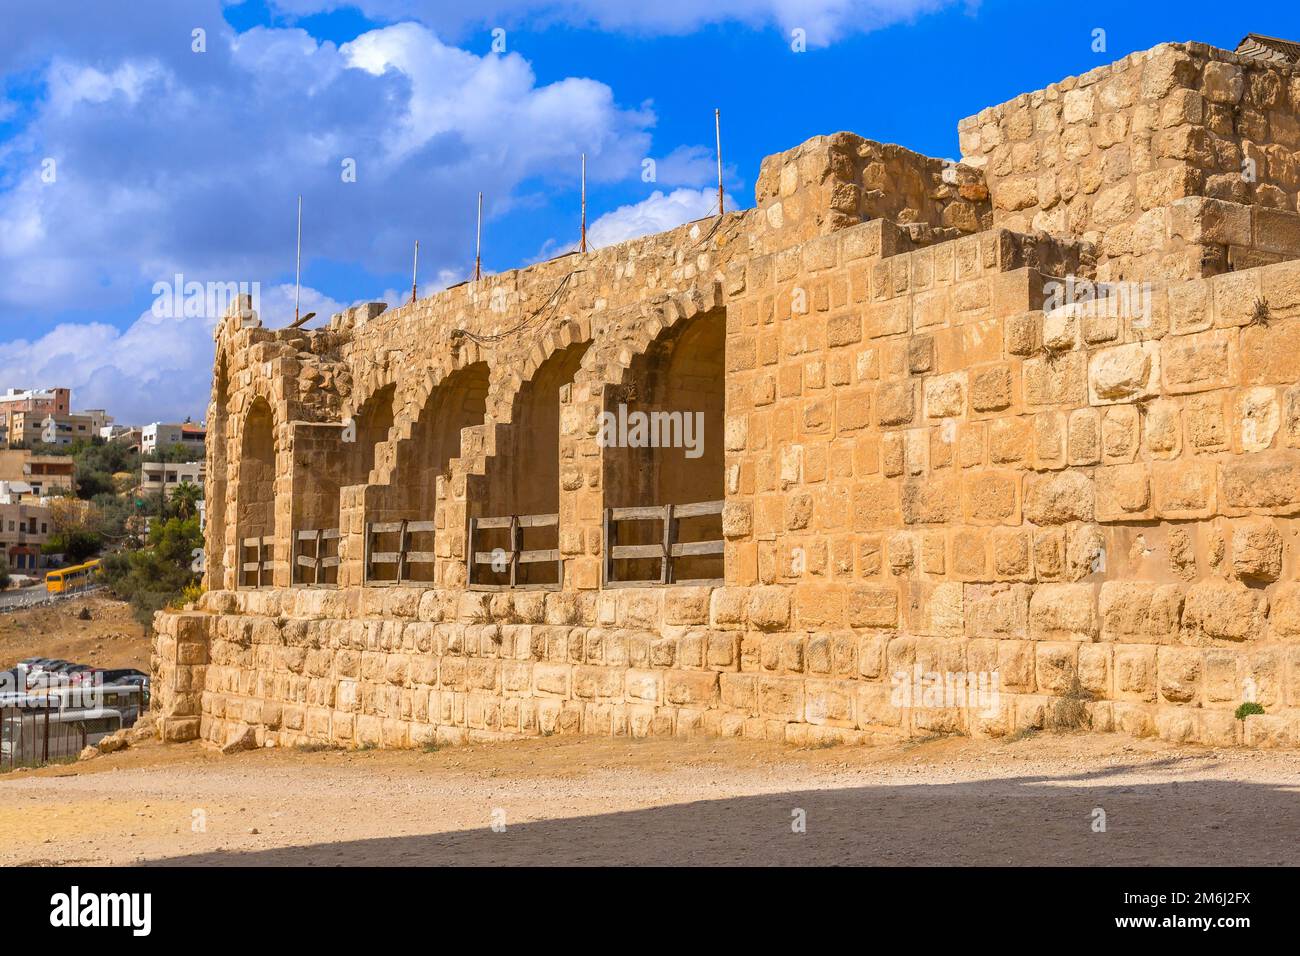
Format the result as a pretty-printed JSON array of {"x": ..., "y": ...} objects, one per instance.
[{"x": 1009, "y": 821}]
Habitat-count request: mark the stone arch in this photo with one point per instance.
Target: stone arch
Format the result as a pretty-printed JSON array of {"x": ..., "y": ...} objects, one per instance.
[
  {"x": 424, "y": 457},
  {"x": 662, "y": 428},
  {"x": 523, "y": 473},
  {"x": 255, "y": 491},
  {"x": 367, "y": 428}
]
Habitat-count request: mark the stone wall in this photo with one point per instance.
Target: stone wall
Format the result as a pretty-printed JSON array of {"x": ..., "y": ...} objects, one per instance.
[
  {"x": 1101, "y": 156},
  {"x": 944, "y": 508}
]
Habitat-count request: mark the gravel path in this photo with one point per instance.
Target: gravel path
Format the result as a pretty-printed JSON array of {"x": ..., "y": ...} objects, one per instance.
[{"x": 599, "y": 801}]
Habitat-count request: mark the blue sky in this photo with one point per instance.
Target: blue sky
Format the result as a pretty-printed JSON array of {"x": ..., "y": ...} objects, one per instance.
[{"x": 168, "y": 160}]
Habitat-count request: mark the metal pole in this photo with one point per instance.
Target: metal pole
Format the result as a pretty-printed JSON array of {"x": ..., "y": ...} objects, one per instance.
[
  {"x": 478, "y": 242},
  {"x": 297, "y": 269},
  {"x": 717, "y": 130},
  {"x": 415, "y": 269},
  {"x": 584, "y": 202}
]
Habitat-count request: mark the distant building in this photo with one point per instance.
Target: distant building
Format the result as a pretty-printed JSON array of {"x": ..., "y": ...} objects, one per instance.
[
  {"x": 164, "y": 476},
  {"x": 159, "y": 435},
  {"x": 128, "y": 435},
  {"x": 36, "y": 403},
  {"x": 66, "y": 429},
  {"x": 43, "y": 474},
  {"x": 24, "y": 528},
  {"x": 99, "y": 418}
]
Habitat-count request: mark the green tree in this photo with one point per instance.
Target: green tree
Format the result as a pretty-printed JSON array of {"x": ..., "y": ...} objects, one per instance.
[
  {"x": 154, "y": 576},
  {"x": 185, "y": 499},
  {"x": 75, "y": 545}
]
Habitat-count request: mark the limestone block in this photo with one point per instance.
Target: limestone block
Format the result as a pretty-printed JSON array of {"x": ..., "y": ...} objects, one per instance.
[
  {"x": 1256, "y": 549},
  {"x": 1220, "y": 611},
  {"x": 1063, "y": 612},
  {"x": 1124, "y": 373},
  {"x": 1058, "y": 497}
]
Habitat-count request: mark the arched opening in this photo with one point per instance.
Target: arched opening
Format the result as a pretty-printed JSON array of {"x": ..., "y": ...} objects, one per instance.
[
  {"x": 400, "y": 540},
  {"x": 329, "y": 457},
  {"x": 515, "y": 529},
  {"x": 255, "y": 507},
  {"x": 369, "y": 427},
  {"x": 214, "y": 504},
  {"x": 663, "y": 458}
]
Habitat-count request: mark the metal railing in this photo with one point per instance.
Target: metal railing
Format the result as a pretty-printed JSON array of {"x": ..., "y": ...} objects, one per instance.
[
  {"x": 402, "y": 557},
  {"x": 508, "y": 560},
  {"x": 313, "y": 569},
  {"x": 666, "y": 550}
]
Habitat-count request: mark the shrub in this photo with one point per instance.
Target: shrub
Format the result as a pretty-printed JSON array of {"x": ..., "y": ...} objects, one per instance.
[
  {"x": 1249, "y": 708},
  {"x": 1070, "y": 711},
  {"x": 155, "y": 576}
]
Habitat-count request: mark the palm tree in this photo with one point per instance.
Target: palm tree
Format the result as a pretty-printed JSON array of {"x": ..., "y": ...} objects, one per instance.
[{"x": 185, "y": 498}]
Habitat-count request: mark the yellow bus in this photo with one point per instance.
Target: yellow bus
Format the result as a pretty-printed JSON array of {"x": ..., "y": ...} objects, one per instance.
[{"x": 74, "y": 578}]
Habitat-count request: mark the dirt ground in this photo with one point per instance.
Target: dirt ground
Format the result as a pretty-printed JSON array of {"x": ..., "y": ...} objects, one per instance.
[
  {"x": 111, "y": 638},
  {"x": 558, "y": 800}
]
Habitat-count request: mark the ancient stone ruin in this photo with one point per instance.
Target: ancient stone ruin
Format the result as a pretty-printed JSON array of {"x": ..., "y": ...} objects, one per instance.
[{"x": 910, "y": 447}]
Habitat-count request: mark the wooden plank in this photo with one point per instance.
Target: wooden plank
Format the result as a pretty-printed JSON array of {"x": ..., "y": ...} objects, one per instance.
[
  {"x": 252, "y": 542},
  {"x": 330, "y": 562},
  {"x": 538, "y": 521},
  {"x": 306, "y": 535},
  {"x": 365, "y": 558},
  {"x": 699, "y": 509},
  {"x": 516, "y": 539},
  {"x": 487, "y": 557},
  {"x": 252, "y": 565},
  {"x": 384, "y": 557},
  {"x": 494, "y": 522},
  {"x": 329, "y": 534},
  {"x": 533, "y": 557},
  {"x": 421, "y": 527},
  {"x": 670, "y": 532},
  {"x": 421, "y": 557},
  {"x": 692, "y": 548},
  {"x": 626, "y": 552},
  {"x": 653, "y": 513},
  {"x": 385, "y": 527},
  {"x": 306, "y": 562},
  {"x": 401, "y": 552},
  {"x": 320, "y": 568}
]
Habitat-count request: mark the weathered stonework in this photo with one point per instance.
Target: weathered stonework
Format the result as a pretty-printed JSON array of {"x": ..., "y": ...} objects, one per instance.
[{"x": 920, "y": 470}]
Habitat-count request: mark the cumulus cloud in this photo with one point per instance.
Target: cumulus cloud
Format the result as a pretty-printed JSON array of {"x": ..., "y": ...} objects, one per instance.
[
  {"x": 824, "y": 21},
  {"x": 179, "y": 161},
  {"x": 159, "y": 368},
  {"x": 655, "y": 213}
]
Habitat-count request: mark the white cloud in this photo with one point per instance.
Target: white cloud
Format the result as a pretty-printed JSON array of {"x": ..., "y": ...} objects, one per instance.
[
  {"x": 193, "y": 164},
  {"x": 824, "y": 21},
  {"x": 157, "y": 369},
  {"x": 655, "y": 213}
]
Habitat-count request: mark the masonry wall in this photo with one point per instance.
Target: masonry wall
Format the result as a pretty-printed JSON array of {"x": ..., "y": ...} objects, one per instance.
[
  {"x": 923, "y": 473},
  {"x": 1104, "y": 155}
]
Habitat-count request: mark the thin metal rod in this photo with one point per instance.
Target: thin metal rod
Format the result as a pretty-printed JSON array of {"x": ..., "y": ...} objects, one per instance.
[
  {"x": 415, "y": 269},
  {"x": 297, "y": 269},
  {"x": 584, "y": 202},
  {"x": 717, "y": 129},
  {"x": 478, "y": 242}
]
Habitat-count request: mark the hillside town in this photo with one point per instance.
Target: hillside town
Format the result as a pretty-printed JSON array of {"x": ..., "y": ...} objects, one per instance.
[{"x": 77, "y": 484}]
